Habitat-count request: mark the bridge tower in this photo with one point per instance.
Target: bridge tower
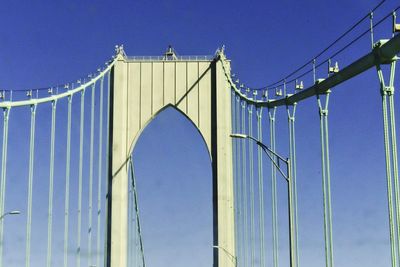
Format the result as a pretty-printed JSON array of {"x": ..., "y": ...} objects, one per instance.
[{"x": 195, "y": 86}]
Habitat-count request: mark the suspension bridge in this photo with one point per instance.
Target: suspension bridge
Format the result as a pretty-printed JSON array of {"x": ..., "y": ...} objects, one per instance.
[{"x": 87, "y": 130}]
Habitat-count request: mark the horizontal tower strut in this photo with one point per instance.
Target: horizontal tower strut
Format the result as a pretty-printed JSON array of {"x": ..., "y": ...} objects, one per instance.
[{"x": 383, "y": 53}]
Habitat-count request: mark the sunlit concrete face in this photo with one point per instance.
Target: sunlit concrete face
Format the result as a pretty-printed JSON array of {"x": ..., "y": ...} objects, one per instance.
[{"x": 198, "y": 88}]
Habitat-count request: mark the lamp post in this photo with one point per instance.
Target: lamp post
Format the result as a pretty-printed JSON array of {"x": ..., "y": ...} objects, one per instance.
[
  {"x": 276, "y": 159},
  {"x": 13, "y": 212}
]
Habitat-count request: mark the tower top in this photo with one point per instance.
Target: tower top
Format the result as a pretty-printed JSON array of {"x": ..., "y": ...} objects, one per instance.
[{"x": 170, "y": 54}]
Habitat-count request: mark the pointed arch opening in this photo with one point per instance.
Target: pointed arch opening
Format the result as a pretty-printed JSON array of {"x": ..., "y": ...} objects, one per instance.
[{"x": 174, "y": 180}]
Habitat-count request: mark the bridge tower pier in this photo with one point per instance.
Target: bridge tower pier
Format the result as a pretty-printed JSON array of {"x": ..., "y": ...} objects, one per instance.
[{"x": 195, "y": 86}]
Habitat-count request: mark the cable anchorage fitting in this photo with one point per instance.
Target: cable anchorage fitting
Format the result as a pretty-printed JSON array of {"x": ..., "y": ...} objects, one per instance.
[
  {"x": 387, "y": 90},
  {"x": 299, "y": 85},
  {"x": 254, "y": 95},
  {"x": 323, "y": 112},
  {"x": 278, "y": 91},
  {"x": 333, "y": 69}
]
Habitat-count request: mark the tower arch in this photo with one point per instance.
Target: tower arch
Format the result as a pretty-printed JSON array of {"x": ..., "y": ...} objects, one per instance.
[{"x": 197, "y": 87}]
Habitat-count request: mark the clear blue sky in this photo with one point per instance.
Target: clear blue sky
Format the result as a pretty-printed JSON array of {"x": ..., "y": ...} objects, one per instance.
[{"x": 51, "y": 42}]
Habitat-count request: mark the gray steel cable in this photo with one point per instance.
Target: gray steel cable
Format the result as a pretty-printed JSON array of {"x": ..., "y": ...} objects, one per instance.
[
  {"x": 292, "y": 155},
  {"x": 6, "y": 116},
  {"x": 100, "y": 169},
  {"x": 136, "y": 204},
  {"x": 51, "y": 184},
  {"x": 67, "y": 182},
  {"x": 326, "y": 48},
  {"x": 323, "y": 112},
  {"x": 107, "y": 165},
  {"x": 130, "y": 232},
  {"x": 90, "y": 207},
  {"x": 244, "y": 190},
  {"x": 392, "y": 223},
  {"x": 81, "y": 132},
  {"x": 251, "y": 185},
  {"x": 394, "y": 151},
  {"x": 260, "y": 188},
  {"x": 275, "y": 234},
  {"x": 30, "y": 186},
  {"x": 235, "y": 174},
  {"x": 239, "y": 176}
]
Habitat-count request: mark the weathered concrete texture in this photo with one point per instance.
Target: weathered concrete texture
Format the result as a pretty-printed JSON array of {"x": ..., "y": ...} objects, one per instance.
[{"x": 200, "y": 91}]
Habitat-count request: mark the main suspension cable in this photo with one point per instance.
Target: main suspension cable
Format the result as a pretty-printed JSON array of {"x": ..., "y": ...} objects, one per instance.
[{"x": 326, "y": 48}]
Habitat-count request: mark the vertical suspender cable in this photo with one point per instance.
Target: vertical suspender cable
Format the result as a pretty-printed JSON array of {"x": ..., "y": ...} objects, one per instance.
[
  {"x": 90, "y": 208},
  {"x": 244, "y": 185},
  {"x": 275, "y": 236},
  {"x": 136, "y": 254},
  {"x": 51, "y": 183},
  {"x": 260, "y": 188},
  {"x": 294, "y": 166},
  {"x": 235, "y": 174},
  {"x": 81, "y": 131},
  {"x": 107, "y": 167},
  {"x": 251, "y": 176},
  {"x": 324, "y": 191},
  {"x": 67, "y": 178},
  {"x": 323, "y": 113},
  {"x": 130, "y": 232},
  {"x": 30, "y": 186},
  {"x": 328, "y": 179},
  {"x": 6, "y": 116},
  {"x": 392, "y": 223},
  {"x": 238, "y": 183},
  {"x": 292, "y": 155},
  {"x": 394, "y": 150},
  {"x": 100, "y": 177},
  {"x": 137, "y": 211}
]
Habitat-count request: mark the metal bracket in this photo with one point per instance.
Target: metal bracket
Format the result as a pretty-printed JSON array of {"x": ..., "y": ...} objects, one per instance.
[
  {"x": 278, "y": 92},
  {"x": 333, "y": 69},
  {"x": 388, "y": 89},
  {"x": 299, "y": 86},
  {"x": 323, "y": 112},
  {"x": 323, "y": 104}
]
